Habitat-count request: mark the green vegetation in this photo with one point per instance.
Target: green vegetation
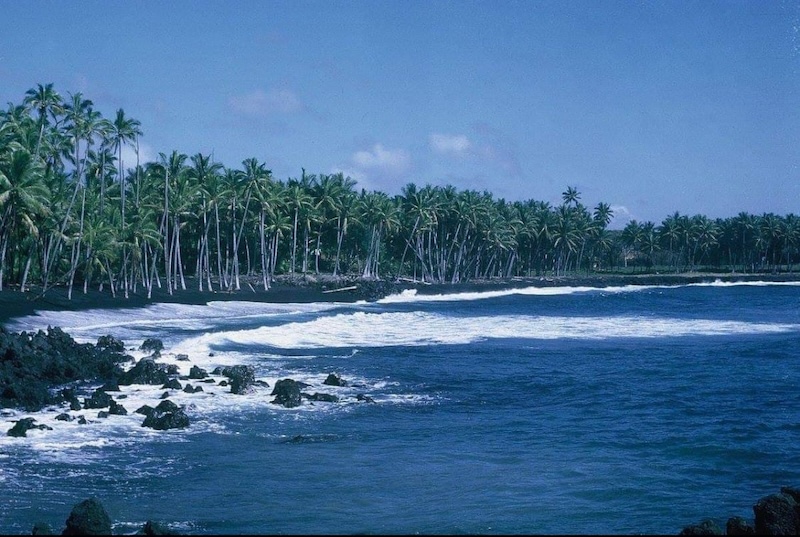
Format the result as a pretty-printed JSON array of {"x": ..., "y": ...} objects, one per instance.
[{"x": 72, "y": 213}]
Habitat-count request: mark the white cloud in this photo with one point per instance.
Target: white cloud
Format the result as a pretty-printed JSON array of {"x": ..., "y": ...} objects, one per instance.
[
  {"x": 377, "y": 168},
  {"x": 621, "y": 217},
  {"x": 382, "y": 161},
  {"x": 260, "y": 103},
  {"x": 456, "y": 145}
]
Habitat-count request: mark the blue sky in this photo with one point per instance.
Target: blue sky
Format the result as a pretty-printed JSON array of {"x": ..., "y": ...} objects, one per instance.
[{"x": 649, "y": 106}]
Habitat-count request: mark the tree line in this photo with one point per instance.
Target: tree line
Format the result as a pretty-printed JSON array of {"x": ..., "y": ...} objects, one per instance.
[{"x": 74, "y": 214}]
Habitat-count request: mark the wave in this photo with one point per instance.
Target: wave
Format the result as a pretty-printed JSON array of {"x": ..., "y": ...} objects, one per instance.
[
  {"x": 361, "y": 329},
  {"x": 139, "y": 323},
  {"x": 412, "y": 296}
]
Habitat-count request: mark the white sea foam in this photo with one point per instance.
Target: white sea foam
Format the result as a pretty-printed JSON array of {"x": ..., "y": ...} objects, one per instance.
[
  {"x": 412, "y": 296},
  {"x": 360, "y": 329}
]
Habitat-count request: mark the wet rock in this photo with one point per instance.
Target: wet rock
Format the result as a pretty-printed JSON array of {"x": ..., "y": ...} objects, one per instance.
[
  {"x": 102, "y": 414},
  {"x": 364, "y": 398},
  {"x": 21, "y": 427},
  {"x": 64, "y": 417},
  {"x": 223, "y": 383},
  {"x": 110, "y": 343},
  {"x": 242, "y": 378},
  {"x": 706, "y": 527},
  {"x": 196, "y": 373},
  {"x": 117, "y": 409},
  {"x": 287, "y": 393},
  {"x": 324, "y": 397},
  {"x": 33, "y": 365},
  {"x": 82, "y": 420},
  {"x": 739, "y": 526},
  {"x": 188, "y": 389},
  {"x": 145, "y": 410},
  {"x": 88, "y": 518},
  {"x": 146, "y": 371},
  {"x": 152, "y": 345},
  {"x": 154, "y": 528},
  {"x": 164, "y": 395},
  {"x": 182, "y": 357},
  {"x": 776, "y": 514},
  {"x": 167, "y": 415},
  {"x": 334, "y": 380},
  {"x": 262, "y": 383},
  {"x": 42, "y": 528},
  {"x": 208, "y": 381},
  {"x": 99, "y": 399},
  {"x": 172, "y": 384},
  {"x": 110, "y": 386}
]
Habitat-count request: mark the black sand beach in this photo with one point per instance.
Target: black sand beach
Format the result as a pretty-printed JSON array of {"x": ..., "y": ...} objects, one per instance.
[{"x": 15, "y": 304}]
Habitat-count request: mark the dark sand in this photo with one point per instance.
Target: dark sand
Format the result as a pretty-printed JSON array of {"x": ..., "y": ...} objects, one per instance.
[{"x": 15, "y": 304}]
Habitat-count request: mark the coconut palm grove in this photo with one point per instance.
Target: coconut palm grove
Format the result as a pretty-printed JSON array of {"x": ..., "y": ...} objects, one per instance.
[{"x": 74, "y": 214}]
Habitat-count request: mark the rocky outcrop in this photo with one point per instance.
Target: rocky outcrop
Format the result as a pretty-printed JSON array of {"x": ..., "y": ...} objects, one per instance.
[
  {"x": 88, "y": 518},
  {"x": 33, "y": 364},
  {"x": 324, "y": 397},
  {"x": 287, "y": 393},
  {"x": 167, "y": 415},
  {"x": 777, "y": 514},
  {"x": 706, "y": 527},
  {"x": 334, "y": 380},
  {"x": 242, "y": 378},
  {"x": 99, "y": 399},
  {"x": 197, "y": 373},
  {"x": 152, "y": 345},
  {"x": 21, "y": 427},
  {"x": 146, "y": 371}
]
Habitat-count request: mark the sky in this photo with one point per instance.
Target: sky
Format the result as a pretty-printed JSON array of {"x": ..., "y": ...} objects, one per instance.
[{"x": 650, "y": 106}]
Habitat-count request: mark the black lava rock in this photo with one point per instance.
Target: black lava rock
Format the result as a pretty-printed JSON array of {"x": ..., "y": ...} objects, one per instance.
[
  {"x": 197, "y": 373},
  {"x": 776, "y": 514},
  {"x": 287, "y": 393},
  {"x": 88, "y": 518},
  {"x": 242, "y": 378},
  {"x": 21, "y": 427},
  {"x": 152, "y": 345},
  {"x": 167, "y": 415},
  {"x": 334, "y": 380}
]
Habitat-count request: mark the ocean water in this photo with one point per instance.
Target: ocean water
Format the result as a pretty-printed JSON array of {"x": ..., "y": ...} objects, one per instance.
[{"x": 559, "y": 410}]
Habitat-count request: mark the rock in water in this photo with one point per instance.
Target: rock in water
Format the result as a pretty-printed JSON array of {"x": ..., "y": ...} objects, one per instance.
[
  {"x": 739, "y": 526},
  {"x": 146, "y": 371},
  {"x": 287, "y": 393},
  {"x": 197, "y": 373},
  {"x": 21, "y": 428},
  {"x": 167, "y": 415},
  {"x": 154, "y": 528},
  {"x": 42, "y": 528},
  {"x": 242, "y": 378},
  {"x": 776, "y": 515},
  {"x": 334, "y": 380},
  {"x": 706, "y": 527},
  {"x": 88, "y": 518},
  {"x": 152, "y": 345}
]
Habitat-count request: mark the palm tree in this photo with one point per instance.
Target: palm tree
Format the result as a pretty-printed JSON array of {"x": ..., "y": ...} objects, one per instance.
[
  {"x": 23, "y": 200},
  {"x": 122, "y": 131},
  {"x": 45, "y": 100},
  {"x": 571, "y": 196}
]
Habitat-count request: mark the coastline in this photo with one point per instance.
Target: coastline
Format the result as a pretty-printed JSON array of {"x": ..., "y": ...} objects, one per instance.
[{"x": 14, "y": 304}]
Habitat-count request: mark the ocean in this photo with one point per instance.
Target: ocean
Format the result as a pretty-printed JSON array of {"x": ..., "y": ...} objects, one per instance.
[{"x": 637, "y": 409}]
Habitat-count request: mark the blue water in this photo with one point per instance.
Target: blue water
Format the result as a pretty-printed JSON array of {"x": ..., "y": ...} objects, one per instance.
[{"x": 627, "y": 410}]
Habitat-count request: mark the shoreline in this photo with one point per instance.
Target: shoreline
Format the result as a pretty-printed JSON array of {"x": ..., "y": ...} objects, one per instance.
[{"x": 14, "y": 304}]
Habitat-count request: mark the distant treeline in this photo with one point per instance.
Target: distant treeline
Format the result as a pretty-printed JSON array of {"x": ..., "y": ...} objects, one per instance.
[{"x": 73, "y": 213}]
